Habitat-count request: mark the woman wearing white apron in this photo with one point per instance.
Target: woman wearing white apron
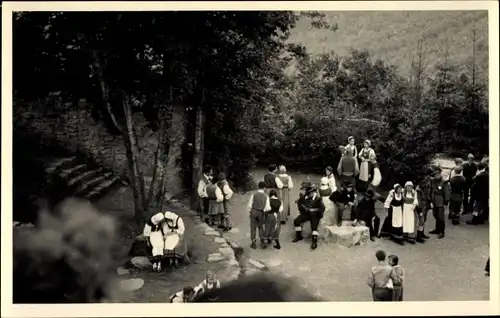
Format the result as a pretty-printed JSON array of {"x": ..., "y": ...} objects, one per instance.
[
  {"x": 153, "y": 231},
  {"x": 410, "y": 202},
  {"x": 325, "y": 191},
  {"x": 393, "y": 223},
  {"x": 364, "y": 169},
  {"x": 175, "y": 244}
]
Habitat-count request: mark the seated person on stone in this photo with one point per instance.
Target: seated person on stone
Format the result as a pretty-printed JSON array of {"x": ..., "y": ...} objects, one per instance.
[
  {"x": 311, "y": 209},
  {"x": 344, "y": 200},
  {"x": 365, "y": 214},
  {"x": 261, "y": 287}
]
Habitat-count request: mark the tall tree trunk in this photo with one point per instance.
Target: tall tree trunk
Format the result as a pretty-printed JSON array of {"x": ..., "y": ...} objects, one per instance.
[
  {"x": 198, "y": 154},
  {"x": 176, "y": 137},
  {"x": 133, "y": 155},
  {"x": 128, "y": 134}
]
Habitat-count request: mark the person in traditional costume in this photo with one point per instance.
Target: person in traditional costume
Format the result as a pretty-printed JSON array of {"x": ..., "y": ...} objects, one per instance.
[
  {"x": 175, "y": 244},
  {"x": 272, "y": 181},
  {"x": 439, "y": 199},
  {"x": 325, "y": 191},
  {"x": 375, "y": 175},
  {"x": 480, "y": 196},
  {"x": 424, "y": 203},
  {"x": 209, "y": 283},
  {"x": 469, "y": 172},
  {"x": 457, "y": 193},
  {"x": 410, "y": 219},
  {"x": 258, "y": 205},
  {"x": 365, "y": 213},
  {"x": 364, "y": 169},
  {"x": 202, "y": 193},
  {"x": 379, "y": 278},
  {"x": 153, "y": 232},
  {"x": 348, "y": 168},
  {"x": 215, "y": 203},
  {"x": 227, "y": 193},
  {"x": 351, "y": 146},
  {"x": 393, "y": 222},
  {"x": 397, "y": 289},
  {"x": 311, "y": 209},
  {"x": 284, "y": 193},
  {"x": 344, "y": 201},
  {"x": 184, "y": 296},
  {"x": 331, "y": 178},
  {"x": 272, "y": 225}
]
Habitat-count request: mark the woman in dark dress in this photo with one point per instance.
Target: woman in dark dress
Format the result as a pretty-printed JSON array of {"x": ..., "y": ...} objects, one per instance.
[{"x": 393, "y": 223}]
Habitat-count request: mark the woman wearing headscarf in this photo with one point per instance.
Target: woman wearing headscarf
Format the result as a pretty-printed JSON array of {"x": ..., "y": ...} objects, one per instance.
[
  {"x": 364, "y": 169},
  {"x": 351, "y": 146},
  {"x": 325, "y": 191},
  {"x": 393, "y": 223},
  {"x": 284, "y": 193},
  {"x": 175, "y": 244},
  {"x": 410, "y": 203},
  {"x": 153, "y": 232}
]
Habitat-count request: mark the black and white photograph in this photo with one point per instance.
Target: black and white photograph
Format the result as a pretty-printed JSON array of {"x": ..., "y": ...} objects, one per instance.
[{"x": 224, "y": 155}]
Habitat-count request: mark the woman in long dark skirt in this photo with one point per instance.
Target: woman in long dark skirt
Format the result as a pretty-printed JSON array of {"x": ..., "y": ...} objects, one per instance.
[{"x": 393, "y": 224}]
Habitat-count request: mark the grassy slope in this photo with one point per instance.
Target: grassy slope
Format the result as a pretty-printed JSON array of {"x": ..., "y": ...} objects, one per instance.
[{"x": 393, "y": 35}]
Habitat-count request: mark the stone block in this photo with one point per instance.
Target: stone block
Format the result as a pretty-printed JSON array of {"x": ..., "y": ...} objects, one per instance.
[
  {"x": 226, "y": 251},
  {"x": 131, "y": 284},
  {"x": 215, "y": 257},
  {"x": 347, "y": 235},
  {"x": 122, "y": 271},
  {"x": 219, "y": 239},
  {"x": 141, "y": 262},
  {"x": 212, "y": 233}
]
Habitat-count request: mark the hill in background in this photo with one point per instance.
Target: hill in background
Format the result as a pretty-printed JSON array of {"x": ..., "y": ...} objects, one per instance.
[{"x": 393, "y": 35}]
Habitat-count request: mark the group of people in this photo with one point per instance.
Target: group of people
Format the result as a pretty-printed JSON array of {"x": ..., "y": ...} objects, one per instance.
[
  {"x": 189, "y": 293},
  {"x": 386, "y": 278}
]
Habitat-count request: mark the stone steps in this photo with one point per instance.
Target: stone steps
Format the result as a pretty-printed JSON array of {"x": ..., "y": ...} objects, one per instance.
[{"x": 82, "y": 179}]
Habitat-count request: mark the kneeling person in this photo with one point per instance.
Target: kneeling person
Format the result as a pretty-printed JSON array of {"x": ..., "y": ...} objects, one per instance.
[{"x": 311, "y": 209}]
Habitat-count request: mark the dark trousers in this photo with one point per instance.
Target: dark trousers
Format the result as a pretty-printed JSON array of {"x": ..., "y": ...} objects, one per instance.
[
  {"x": 203, "y": 211},
  {"x": 481, "y": 207},
  {"x": 344, "y": 180},
  {"x": 487, "y": 267},
  {"x": 438, "y": 213},
  {"x": 397, "y": 293},
  {"x": 455, "y": 209},
  {"x": 466, "y": 201},
  {"x": 257, "y": 223},
  {"x": 382, "y": 294},
  {"x": 304, "y": 217},
  {"x": 373, "y": 223}
]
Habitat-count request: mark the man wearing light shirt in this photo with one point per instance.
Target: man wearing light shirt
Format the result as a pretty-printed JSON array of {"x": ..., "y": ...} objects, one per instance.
[
  {"x": 227, "y": 193},
  {"x": 258, "y": 205},
  {"x": 202, "y": 192},
  {"x": 272, "y": 181}
]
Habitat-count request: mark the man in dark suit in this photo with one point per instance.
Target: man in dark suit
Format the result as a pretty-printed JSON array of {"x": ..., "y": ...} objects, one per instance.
[
  {"x": 480, "y": 196},
  {"x": 469, "y": 172}
]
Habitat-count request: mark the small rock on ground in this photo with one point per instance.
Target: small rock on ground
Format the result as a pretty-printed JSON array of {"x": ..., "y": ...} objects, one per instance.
[
  {"x": 215, "y": 259},
  {"x": 256, "y": 263},
  {"x": 212, "y": 233},
  {"x": 219, "y": 239},
  {"x": 122, "y": 271},
  {"x": 141, "y": 262},
  {"x": 131, "y": 284},
  {"x": 226, "y": 250},
  {"x": 234, "y": 262}
]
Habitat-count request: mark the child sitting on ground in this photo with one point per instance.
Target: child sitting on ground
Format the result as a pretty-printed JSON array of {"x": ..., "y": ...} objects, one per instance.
[
  {"x": 397, "y": 289},
  {"x": 184, "y": 296}
]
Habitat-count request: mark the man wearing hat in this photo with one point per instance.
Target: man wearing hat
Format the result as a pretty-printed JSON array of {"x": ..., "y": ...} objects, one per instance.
[
  {"x": 311, "y": 208},
  {"x": 469, "y": 172},
  {"x": 365, "y": 212},
  {"x": 344, "y": 199},
  {"x": 439, "y": 199}
]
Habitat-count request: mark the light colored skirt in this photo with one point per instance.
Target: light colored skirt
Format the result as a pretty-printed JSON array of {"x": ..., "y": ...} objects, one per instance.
[
  {"x": 215, "y": 207},
  {"x": 284, "y": 196},
  {"x": 330, "y": 215},
  {"x": 157, "y": 243},
  {"x": 397, "y": 216},
  {"x": 364, "y": 173},
  {"x": 179, "y": 251},
  {"x": 409, "y": 218}
]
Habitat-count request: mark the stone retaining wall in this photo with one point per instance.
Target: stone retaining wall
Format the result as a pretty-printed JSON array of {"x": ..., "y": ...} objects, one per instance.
[{"x": 78, "y": 131}]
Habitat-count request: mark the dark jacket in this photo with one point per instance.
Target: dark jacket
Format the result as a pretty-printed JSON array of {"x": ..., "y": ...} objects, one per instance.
[
  {"x": 457, "y": 187},
  {"x": 481, "y": 186},
  {"x": 342, "y": 196},
  {"x": 365, "y": 209},
  {"x": 469, "y": 170},
  {"x": 311, "y": 206},
  {"x": 440, "y": 193}
]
